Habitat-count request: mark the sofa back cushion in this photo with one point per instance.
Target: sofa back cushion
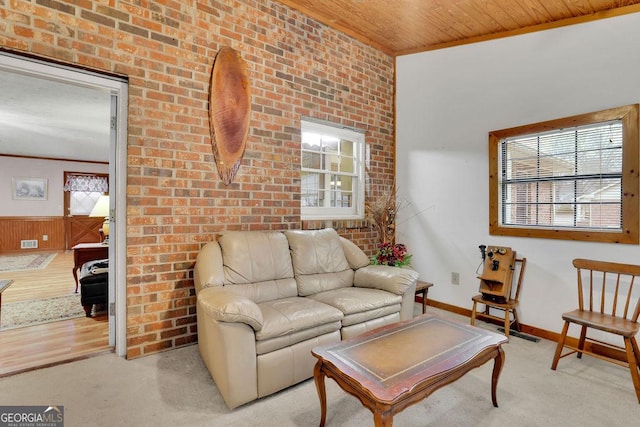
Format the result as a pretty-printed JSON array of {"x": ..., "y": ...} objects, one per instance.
[
  {"x": 257, "y": 265},
  {"x": 355, "y": 257},
  {"x": 319, "y": 262}
]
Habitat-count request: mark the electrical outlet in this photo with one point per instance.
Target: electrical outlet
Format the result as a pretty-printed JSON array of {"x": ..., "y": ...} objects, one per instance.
[{"x": 455, "y": 278}]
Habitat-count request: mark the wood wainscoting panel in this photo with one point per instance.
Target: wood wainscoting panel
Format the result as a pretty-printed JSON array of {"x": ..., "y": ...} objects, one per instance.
[
  {"x": 82, "y": 229},
  {"x": 14, "y": 229}
]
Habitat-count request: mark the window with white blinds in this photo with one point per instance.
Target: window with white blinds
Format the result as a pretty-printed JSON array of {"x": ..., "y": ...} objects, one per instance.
[
  {"x": 576, "y": 175},
  {"x": 564, "y": 178}
]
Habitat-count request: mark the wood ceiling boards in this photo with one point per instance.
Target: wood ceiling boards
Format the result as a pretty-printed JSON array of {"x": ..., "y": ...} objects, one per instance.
[{"x": 407, "y": 26}]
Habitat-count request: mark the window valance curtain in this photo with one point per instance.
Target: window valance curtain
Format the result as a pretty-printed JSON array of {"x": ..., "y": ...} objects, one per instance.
[{"x": 87, "y": 183}]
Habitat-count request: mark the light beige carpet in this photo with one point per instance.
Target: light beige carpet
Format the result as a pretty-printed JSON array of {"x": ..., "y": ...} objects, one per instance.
[{"x": 174, "y": 389}]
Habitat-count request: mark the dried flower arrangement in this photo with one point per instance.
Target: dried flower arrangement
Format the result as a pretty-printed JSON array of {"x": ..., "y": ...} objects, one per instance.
[{"x": 381, "y": 210}]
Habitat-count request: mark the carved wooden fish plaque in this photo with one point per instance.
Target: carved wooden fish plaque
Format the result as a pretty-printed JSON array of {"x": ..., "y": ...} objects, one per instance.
[{"x": 229, "y": 111}]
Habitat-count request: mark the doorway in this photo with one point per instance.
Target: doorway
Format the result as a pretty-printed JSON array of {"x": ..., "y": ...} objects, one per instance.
[{"x": 50, "y": 112}]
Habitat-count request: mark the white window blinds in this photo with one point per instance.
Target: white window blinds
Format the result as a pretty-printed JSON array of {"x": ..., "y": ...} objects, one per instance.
[{"x": 569, "y": 177}]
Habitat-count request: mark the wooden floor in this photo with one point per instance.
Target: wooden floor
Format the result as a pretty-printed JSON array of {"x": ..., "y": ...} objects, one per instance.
[{"x": 23, "y": 349}]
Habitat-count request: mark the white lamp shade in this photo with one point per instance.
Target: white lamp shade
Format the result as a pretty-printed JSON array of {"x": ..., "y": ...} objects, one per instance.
[{"x": 101, "y": 207}]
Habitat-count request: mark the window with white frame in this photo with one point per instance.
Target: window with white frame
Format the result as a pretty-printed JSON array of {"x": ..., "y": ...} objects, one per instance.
[
  {"x": 570, "y": 178},
  {"x": 332, "y": 172}
]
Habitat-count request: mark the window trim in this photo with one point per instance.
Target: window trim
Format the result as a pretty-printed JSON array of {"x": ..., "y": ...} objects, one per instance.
[
  {"x": 358, "y": 139},
  {"x": 630, "y": 162}
]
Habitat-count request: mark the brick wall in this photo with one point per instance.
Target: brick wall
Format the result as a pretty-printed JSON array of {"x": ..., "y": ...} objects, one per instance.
[{"x": 176, "y": 200}]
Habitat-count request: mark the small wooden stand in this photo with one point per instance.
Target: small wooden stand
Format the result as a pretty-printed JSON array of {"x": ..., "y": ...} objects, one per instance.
[{"x": 423, "y": 288}]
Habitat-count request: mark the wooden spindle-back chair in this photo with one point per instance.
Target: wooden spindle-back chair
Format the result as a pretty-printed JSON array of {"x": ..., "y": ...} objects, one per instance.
[{"x": 608, "y": 301}]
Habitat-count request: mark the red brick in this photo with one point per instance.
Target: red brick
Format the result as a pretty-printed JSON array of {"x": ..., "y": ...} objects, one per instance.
[{"x": 175, "y": 199}]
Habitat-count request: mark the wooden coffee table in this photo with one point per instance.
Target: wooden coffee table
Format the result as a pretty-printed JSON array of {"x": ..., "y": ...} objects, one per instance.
[{"x": 397, "y": 365}]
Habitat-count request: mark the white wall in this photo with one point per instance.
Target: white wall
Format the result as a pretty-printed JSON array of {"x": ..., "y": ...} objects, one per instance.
[
  {"x": 52, "y": 170},
  {"x": 449, "y": 100}
]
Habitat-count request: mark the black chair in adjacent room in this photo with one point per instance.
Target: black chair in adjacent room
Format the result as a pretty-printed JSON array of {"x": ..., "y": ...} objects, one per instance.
[{"x": 94, "y": 280}]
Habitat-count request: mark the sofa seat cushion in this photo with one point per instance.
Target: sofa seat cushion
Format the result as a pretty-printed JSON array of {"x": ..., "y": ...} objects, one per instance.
[
  {"x": 360, "y": 304},
  {"x": 291, "y": 320},
  {"x": 295, "y": 338}
]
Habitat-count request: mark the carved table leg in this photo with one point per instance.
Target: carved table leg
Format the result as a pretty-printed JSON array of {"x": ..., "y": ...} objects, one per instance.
[
  {"x": 75, "y": 277},
  {"x": 318, "y": 376},
  {"x": 497, "y": 368},
  {"x": 382, "y": 418}
]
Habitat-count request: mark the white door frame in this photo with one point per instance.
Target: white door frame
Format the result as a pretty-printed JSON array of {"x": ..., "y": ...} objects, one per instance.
[{"x": 118, "y": 88}]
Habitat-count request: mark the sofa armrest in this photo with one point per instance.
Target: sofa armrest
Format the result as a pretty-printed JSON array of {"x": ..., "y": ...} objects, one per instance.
[
  {"x": 226, "y": 306},
  {"x": 208, "y": 270},
  {"x": 392, "y": 279}
]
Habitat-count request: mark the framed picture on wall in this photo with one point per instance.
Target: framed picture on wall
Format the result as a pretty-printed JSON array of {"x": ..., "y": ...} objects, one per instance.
[{"x": 29, "y": 188}]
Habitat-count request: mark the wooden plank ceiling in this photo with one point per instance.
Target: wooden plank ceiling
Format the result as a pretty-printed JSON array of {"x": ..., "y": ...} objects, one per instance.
[{"x": 407, "y": 26}]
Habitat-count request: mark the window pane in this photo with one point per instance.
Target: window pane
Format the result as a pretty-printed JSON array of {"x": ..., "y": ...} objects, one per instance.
[
  {"x": 310, "y": 187},
  {"x": 599, "y": 203},
  {"x": 347, "y": 163},
  {"x": 330, "y": 145},
  {"x": 310, "y": 160},
  {"x": 341, "y": 191},
  {"x": 81, "y": 202},
  {"x": 340, "y": 199}
]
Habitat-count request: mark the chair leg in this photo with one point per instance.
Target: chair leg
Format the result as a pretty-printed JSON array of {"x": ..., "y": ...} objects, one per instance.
[
  {"x": 636, "y": 350},
  {"x": 563, "y": 337},
  {"x": 507, "y": 323},
  {"x": 583, "y": 336},
  {"x": 632, "y": 358},
  {"x": 516, "y": 322},
  {"x": 473, "y": 313}
]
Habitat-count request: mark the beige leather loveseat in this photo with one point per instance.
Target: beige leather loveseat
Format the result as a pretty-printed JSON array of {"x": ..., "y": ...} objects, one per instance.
[{"x": 265, "y": 299}]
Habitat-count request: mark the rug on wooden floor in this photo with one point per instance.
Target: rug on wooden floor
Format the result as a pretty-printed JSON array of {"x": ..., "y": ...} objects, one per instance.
[
  {"x": 32, "y": 261},
  {"x": 35, "y": 312}
]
